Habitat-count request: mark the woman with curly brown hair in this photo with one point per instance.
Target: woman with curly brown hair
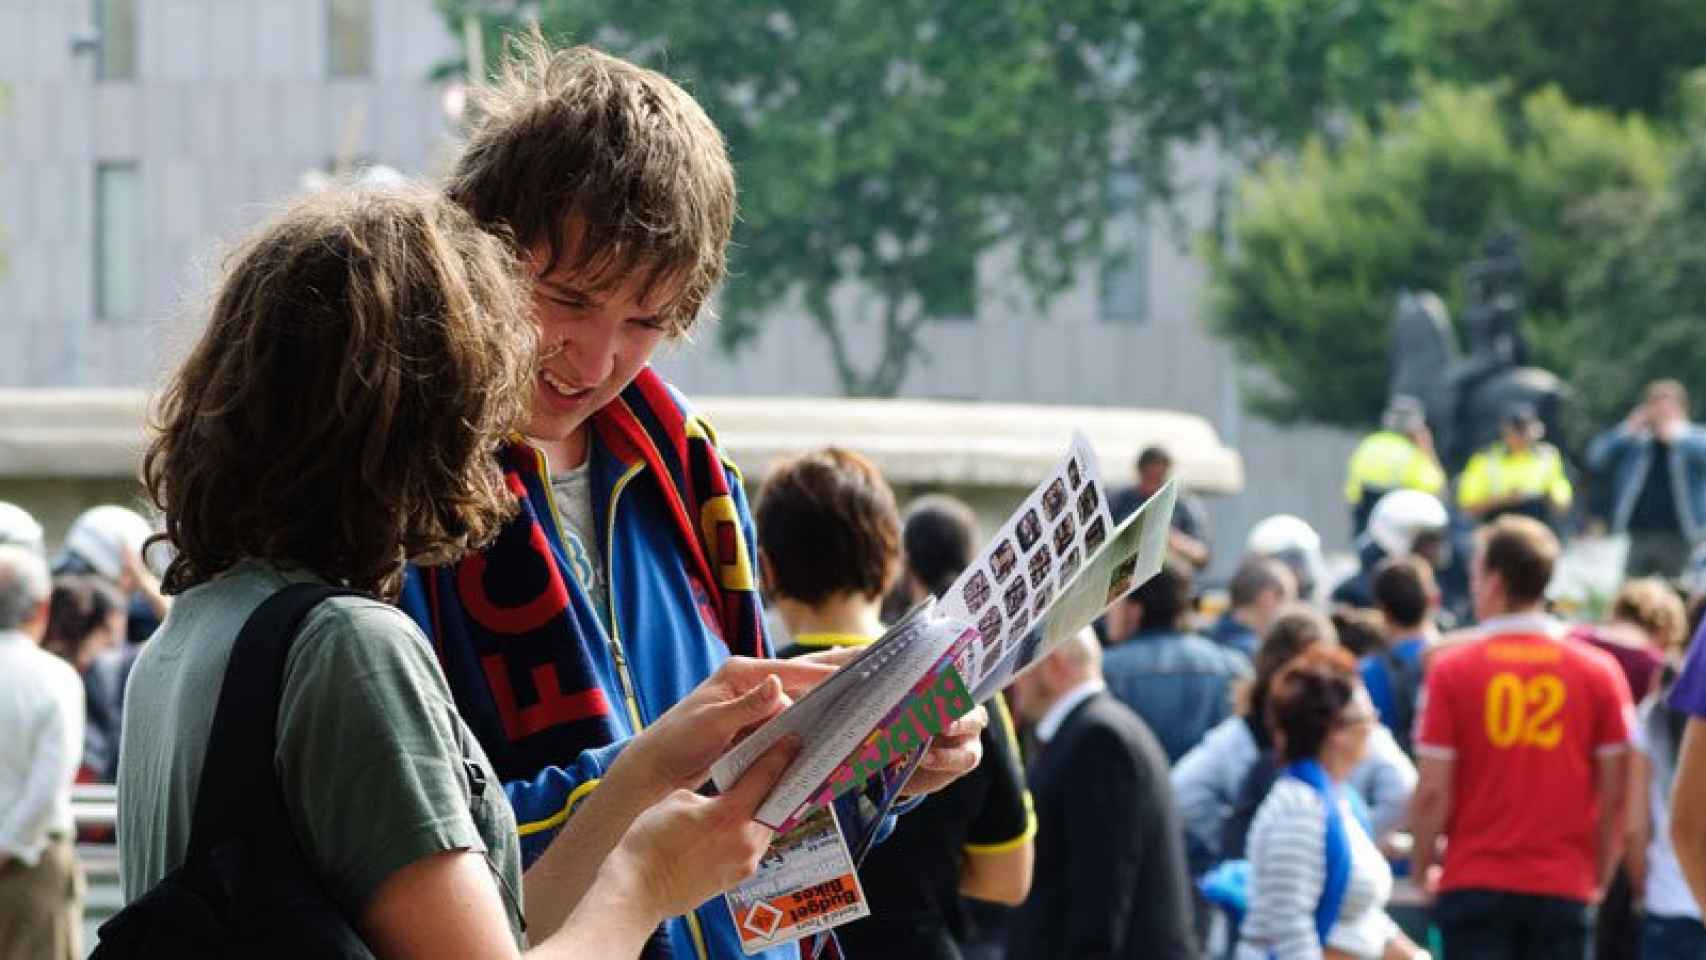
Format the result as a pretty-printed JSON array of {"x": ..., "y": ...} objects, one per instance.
[{"x": 365, "y": 355}]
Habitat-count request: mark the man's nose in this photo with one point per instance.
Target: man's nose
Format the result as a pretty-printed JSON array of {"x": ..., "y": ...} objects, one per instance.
[{"x": 590, "y": 353}]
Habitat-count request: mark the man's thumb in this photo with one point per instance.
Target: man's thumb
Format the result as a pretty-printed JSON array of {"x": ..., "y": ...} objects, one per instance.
[
  {"x": 759, "y": 703},
  {"x": 755, "y": 784}
]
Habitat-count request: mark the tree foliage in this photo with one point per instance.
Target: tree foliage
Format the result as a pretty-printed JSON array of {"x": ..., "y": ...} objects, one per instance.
[
  {"x": 1321, "y": 242},
  {"x": 1639, "y": 306},
  {"x": 890, "y": 146},
  {"x": 1626, "y": 55}
]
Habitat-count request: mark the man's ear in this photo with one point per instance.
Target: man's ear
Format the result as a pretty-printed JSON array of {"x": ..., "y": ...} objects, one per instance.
[
  {"x": 1495, "y": 581},
  {"x": 1051, "y": 672},
  {"x": 36, "y": 625},
  {"x": 1123, "y": 618},
  {"x": 766, "y": 576}
]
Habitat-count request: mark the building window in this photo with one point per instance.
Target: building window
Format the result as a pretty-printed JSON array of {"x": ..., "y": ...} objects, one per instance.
[
  {"x": 118, "y": 241},
  {"x": 116, "y": 25},
  {"x": 1122, "y": 291},
  {"x": 349, "y": 38}
]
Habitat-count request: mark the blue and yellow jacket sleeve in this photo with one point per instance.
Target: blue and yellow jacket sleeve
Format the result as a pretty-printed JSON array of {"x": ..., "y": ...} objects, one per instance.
[
  {"x": 545, "y": 800},
  {"x": 543, "y": 804}
]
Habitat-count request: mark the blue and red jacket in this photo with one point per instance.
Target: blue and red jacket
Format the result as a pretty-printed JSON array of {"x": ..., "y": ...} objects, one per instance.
[{"x": 553, "y": 688}]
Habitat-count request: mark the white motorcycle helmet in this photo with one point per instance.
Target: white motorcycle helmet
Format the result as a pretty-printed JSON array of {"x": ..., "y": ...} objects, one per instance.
[
  {"x": 18, "y": 528},
  {"x": 101, "y": 536},
  {"x": 1400, "y": 516},
  {"x": 1295, "y": 543}
]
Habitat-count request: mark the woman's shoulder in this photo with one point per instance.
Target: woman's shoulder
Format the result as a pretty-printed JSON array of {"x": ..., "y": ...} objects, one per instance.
[
  {"x": 1290, "y": 799},
  {"x": 1222, "y": 757},
  {"x": 1292, "y": 792},
  {"x": 1230, "y": 737},
  {"x": 361, "y": 633}
]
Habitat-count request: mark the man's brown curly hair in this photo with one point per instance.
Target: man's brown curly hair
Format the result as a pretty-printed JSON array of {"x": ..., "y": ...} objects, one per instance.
[
  {"x": 609, "y": 166},
  {"x": 366, "y": 352}
]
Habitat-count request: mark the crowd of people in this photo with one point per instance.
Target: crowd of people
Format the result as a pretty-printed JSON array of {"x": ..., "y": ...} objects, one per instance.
[{"x": 533, "y": 606}]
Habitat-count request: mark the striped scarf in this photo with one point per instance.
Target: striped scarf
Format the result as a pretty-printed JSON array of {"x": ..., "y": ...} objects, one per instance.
[{"x": 511, "y": 606}]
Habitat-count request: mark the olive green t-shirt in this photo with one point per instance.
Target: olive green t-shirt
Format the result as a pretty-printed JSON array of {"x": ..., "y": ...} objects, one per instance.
[{"x": 370, "y": 748}]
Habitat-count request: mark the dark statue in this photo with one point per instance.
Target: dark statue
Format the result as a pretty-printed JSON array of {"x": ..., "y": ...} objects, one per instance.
[{"x": 1465, "y": 396}]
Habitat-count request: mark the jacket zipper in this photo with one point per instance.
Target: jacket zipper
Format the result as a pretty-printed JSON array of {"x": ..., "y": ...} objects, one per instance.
[
  {"x": 614, "y": 640},
  {"x": 614, "y": 629}
]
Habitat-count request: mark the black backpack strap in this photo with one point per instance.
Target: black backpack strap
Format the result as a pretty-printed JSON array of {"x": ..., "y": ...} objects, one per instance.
[
  {"x": 239, "y": 787},
  {"x": 1405, "y": 680}
]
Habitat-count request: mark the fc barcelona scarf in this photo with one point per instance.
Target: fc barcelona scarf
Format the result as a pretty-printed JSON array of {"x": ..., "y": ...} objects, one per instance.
[
  {"x": 510, "y": 629},
  {"x": 515, "y": 643},
  {"x": 645, "y": 423}
]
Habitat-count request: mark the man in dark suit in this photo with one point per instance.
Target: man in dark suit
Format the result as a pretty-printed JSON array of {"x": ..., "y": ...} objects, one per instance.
[{"x": 1110, "y": 878}]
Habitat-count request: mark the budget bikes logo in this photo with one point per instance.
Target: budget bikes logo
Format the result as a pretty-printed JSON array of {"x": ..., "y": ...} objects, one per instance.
[{"x": 762, "y": 920}]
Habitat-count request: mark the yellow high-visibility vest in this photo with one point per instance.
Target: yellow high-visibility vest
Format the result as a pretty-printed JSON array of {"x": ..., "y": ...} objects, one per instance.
[
  {"x": 1498, "y": 472},
  {"x": 1386, "y": 460}
]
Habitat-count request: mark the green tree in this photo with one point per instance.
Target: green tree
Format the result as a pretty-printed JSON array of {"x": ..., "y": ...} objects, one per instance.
[
  {"x": 1645, "y": 276},
  {"x": 1627, "y": 55},
  {"x": 1303, "y": 285},
  {"x": 893, "y": 145}
]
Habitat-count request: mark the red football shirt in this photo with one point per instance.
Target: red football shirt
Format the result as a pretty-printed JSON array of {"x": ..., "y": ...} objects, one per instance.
[{"x": 1524, "y": 713}]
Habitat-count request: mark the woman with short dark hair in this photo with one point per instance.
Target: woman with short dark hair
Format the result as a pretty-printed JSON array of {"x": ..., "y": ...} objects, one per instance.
[
  {"x": 829, "y": 543},
  {"x": 1319, "y": 885},
  {"x": 85, "y": 618}
]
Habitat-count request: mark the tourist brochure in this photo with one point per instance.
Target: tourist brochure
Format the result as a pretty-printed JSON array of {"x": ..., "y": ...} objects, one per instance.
[{"x": 1050, "y": 570}]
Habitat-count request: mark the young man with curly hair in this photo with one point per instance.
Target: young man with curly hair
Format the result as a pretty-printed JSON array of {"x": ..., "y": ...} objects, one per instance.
[{"x": 627, "y": 577}]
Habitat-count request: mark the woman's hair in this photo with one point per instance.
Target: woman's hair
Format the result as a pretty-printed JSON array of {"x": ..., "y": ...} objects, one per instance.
[
  {"x": 1297, "y": 628},
  {"x": 365, "y": 354},
  {"x": 827, "y": 521},
  {"x": 1306, "y": 698},
  {"x": 79, "y": 605},
  {"x": 1653, "y": 605}
]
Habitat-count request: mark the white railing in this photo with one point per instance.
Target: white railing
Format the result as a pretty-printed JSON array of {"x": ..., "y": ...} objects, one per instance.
[{"x": 95, "y": 807}]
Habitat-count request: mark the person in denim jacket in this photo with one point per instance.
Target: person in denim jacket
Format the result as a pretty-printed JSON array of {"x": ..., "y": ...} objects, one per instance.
[
  {"x": 1179, "y": 682},
  {"x": 1657, "y": 460}
]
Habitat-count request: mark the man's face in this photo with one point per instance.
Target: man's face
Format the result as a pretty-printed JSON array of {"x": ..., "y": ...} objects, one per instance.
[
  {"x": 1664, "y": 406},
  {"x": 1150, "y": 477},
  {"x": 1268, "y": 605},
  {"x": 1028, "y": 694},
  {"x": 591, "y": 346},
  {"x": 1484, "y": 588},
  {"x": 112, "y": 634},
  {"x": 1516, "y": 436}
]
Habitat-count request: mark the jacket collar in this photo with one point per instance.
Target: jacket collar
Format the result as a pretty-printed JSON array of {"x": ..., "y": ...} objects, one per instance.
[{"x": 1069, "y": 701}]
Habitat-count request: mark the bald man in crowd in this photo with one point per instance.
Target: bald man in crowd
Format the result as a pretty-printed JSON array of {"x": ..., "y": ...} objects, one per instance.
[{"x": 1110, "y": 878}]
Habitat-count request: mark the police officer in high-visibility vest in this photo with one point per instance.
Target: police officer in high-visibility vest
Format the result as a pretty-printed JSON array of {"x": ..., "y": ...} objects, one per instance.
[
  {"x": 1398, "y": 456},
  {"x": 1519, "y": 474}
]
